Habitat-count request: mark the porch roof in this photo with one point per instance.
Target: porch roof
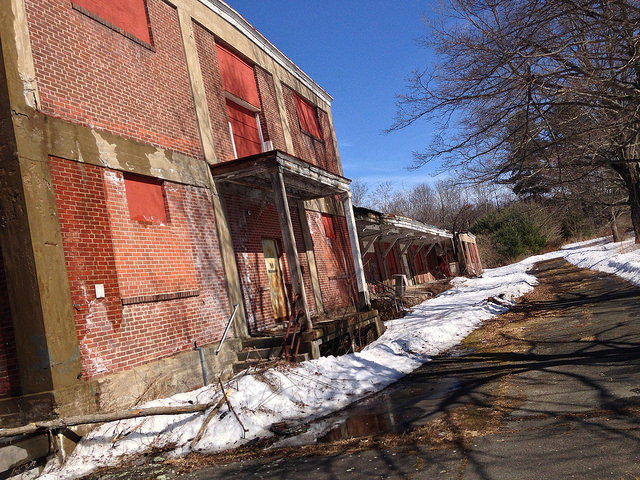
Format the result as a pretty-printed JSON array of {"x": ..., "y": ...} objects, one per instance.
[
  {"x": 302, "y": 180},
  {"x": 385, "y": 227}
]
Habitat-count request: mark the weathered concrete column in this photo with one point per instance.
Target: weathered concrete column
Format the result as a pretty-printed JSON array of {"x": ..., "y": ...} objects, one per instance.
[
  {"x": 45, "y": 334},
  {"x": 311, "y": 257},
  {"x": 361, "y": 281},
  {"x": 405, "y": 262},
  {"x": 205, "y": 129},
  {"x": 468, "y": 259},
  {"x": 289, "y": 240}
]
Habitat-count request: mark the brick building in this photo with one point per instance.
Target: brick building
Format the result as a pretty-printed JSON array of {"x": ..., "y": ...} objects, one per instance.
[{"x": 160, "y": 163}]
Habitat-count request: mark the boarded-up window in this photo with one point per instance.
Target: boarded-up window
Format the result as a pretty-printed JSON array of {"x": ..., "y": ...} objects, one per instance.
[
  {"x": 244, "y": 127},
  {"x": 391, "y": 260},
  {"x": 419, "y": 262},
  {"x": 307, "y": 116},
  {"x": 237, "y": 76},
  {"x": 145, "y": 199},
  {"x": 128, "y": 17},
  {"x": 327, "y": 223}
]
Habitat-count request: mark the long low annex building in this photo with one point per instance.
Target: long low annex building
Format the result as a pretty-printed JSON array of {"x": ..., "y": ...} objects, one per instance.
[
  {"x": 161, "y": 163},
  {"x": 396, "y": 248}
]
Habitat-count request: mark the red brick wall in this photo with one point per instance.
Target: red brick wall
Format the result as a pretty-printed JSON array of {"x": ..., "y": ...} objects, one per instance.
[
  {"x": 250, "y": 221},
  {"x": 308, "y": 148},
  {"x": 270, "y": 114},
  {"x": 150, "y": 258},
  {"x": 9, "y": 379},
  {"x": 101, "y": 246},
  {"x": 333, "y": 260},
  {"x": 331, "y": 158},
  {"x": 91, "y": 75},
  {"x": 205, "y": 43}
]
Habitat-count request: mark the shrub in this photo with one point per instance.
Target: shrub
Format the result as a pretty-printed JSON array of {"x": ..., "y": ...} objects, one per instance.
[{"x": 513, "y": 231}]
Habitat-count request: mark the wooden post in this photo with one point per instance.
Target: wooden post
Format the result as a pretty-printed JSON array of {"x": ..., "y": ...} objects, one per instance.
[
  {"x": 311, "y": 257},
  {"x": 289, "y": 241},
  {"x": 363, "y": 289},
  {"x": 405, "y": 262},
  {"x": 368, "y": 247}
]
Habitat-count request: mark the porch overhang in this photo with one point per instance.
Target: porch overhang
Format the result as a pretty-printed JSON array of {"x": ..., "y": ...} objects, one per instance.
[
  {"x": 302, "y": 180},
  {"x": 388, "y": 228}
]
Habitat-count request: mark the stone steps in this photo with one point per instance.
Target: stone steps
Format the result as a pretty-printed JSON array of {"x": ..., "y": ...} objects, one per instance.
[
  {"x": 251, "y": 353},
  {"x": 255, "y": 363}
]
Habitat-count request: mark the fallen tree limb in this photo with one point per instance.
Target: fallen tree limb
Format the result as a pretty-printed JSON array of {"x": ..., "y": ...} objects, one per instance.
[
  {"x": 224, "y": 395},
  {"x": 61, "y": 423},
  {"x": 203, "y": 427}
]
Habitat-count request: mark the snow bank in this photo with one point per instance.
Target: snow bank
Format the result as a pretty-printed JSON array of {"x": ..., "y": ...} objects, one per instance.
[
  {"x": 621, "y": 259},
  {"x": 318, "y": 387}
]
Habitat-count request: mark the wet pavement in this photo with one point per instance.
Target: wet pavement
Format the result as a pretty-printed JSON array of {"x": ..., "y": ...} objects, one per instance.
[{"x": 550, "y": 390}]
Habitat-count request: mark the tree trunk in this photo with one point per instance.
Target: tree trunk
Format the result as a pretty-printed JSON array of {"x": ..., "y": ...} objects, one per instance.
[
  {"x": 614, "y": 225},
  {"x": 630, "y": 173}
]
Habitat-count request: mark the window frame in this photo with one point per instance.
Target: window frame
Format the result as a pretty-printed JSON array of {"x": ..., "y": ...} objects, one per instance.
[
  {"x": 299, "y": 98},
  {"x": 246, "y": 105}
]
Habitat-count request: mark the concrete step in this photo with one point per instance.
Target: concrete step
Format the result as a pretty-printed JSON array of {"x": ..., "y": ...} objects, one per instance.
[
  {"x": 261, "y": 342},
  {"x": 252, "y": 353},
  {"x": 242, "y": 365}
]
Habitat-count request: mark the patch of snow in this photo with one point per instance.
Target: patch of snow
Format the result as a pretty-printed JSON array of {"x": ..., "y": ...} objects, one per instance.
[
  {"x": 316, "y": 388},
  {"x": 621, "y": 259}
]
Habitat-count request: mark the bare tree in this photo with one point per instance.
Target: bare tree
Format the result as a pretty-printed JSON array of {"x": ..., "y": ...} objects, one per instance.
[
  {"x": 539, "y": 89},
  {"x": 423, "y": 204},
  {"x": 359, "y": 193},
  {"x": 388, "y": 199}
]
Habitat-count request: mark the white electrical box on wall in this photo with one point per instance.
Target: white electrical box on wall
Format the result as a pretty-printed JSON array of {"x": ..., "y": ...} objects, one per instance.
[{"x": 99, "y": 290}]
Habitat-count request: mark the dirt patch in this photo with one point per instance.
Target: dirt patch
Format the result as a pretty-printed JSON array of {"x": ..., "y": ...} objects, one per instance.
[{"x": 505, "y": 332}]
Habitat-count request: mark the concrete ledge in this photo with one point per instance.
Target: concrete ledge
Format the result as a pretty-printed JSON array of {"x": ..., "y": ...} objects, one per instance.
[{"x": 164, "y": 377}]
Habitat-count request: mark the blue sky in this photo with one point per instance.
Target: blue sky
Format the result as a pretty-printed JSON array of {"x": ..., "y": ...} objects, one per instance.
[{"x": 361, "y": 52}]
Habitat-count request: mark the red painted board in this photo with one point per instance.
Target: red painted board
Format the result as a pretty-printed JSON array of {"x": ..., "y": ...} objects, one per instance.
[{"x": 128, "y": 15}]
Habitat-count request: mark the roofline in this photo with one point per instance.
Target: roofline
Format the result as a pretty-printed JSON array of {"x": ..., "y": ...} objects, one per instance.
[
  {"x": 417, "y": 225},
  {"x": 404, "y": 222},
  {"x": 234, "y": 18}
]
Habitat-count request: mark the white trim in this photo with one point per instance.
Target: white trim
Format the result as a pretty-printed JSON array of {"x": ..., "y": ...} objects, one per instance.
[
  {"x": 241, "y": 102},
  {"x": 263, "y": 147},
  {"x": 234, "y": 18},
  {"x": 233, "y": 141}
]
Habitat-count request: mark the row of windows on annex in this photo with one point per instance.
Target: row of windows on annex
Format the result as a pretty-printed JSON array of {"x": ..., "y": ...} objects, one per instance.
[{"x": 244, "y": 106}]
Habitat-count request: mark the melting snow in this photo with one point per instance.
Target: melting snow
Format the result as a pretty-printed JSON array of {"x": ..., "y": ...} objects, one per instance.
[{"x": 315, "y": 388}]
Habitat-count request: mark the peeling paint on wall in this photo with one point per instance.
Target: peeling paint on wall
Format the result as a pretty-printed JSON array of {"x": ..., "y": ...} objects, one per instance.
[{"x": 106, "y": 150}]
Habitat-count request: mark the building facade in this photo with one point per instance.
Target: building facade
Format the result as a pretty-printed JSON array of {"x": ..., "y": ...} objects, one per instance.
[{"x": 161, "y": 162}]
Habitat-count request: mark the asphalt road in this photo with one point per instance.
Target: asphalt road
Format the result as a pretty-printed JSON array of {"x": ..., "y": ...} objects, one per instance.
[{"x": 549, "y": 391}]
